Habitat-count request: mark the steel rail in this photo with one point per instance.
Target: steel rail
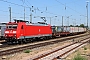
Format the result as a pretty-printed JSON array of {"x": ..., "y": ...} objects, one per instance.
[
  {"x": 44, "y": 56},
  {"x": 18, "y": 49}
]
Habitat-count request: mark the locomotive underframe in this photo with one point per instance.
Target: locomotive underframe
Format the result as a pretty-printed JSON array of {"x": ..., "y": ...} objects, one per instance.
[{"x": 25, "y": 39}]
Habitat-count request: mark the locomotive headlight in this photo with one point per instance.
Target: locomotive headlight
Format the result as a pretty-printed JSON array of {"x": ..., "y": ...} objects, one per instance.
[
  {"x": 14, "y": 35},
  {"x": 5, "y": 35},
  {"x": 14, "y": 31}
]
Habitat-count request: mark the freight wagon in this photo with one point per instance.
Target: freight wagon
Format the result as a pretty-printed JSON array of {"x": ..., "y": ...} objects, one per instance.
[
  {"x": 76, "y": 30},
  {"x": 62, "y": 31}
]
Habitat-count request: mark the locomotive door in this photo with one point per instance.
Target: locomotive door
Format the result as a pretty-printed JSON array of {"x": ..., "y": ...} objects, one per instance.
[{"x": 22, "y": 31}]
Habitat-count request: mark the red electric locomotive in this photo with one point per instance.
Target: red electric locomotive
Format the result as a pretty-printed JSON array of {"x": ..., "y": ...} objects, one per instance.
[{"x": 21, "y": 31}]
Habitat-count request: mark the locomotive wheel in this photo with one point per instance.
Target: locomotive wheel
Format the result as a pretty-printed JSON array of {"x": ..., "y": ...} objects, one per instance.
[
  {"x": 59, "y": 35},
  {"x": 24, "y": 41},
  {"x": 20, "y": 41},
  {"x": 28, "y": 40},
  {"x": 9, "y": 43},
  {"x": 47, "y": 37}
]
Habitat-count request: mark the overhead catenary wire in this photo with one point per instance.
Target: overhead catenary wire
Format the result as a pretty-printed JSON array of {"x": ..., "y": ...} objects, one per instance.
[
  {"x": 29, "y": 2},
  {"x": 12, "y": 12},
  {"x": 29, "y": 7},
  {"x": 68, "y": 7},
  {"x": 39, "y": 9},
  {"x": 23, "y": 6},
  {"x": 13, "y": 3}
]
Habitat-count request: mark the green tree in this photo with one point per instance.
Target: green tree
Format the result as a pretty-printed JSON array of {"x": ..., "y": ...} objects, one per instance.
[
  {"x": 76, "y": 25},
  {"x": 71, "y": 25},
  {"x": 81, "y": 25}
]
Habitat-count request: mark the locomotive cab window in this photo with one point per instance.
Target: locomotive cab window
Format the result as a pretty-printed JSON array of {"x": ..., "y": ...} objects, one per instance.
[
  {"x": 15, "y": 27},
  {"x": 11, "y": 26}
]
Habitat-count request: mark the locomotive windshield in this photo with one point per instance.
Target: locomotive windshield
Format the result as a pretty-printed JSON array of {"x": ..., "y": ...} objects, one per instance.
[{"x": 12, "y": 26}]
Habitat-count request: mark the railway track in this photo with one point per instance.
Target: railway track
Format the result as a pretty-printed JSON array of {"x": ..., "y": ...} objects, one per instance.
[
  {"x": 9, "y": 51},
  {"x": 4, "y": 44},
  {"x": 58, "y": 52}
]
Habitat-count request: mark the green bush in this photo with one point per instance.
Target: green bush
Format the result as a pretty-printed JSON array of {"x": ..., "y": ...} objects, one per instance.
[
  {"x": 27, "y": 51},
  {"x": 78, "y": 57},
  {"x": 85, "y": 48}
]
